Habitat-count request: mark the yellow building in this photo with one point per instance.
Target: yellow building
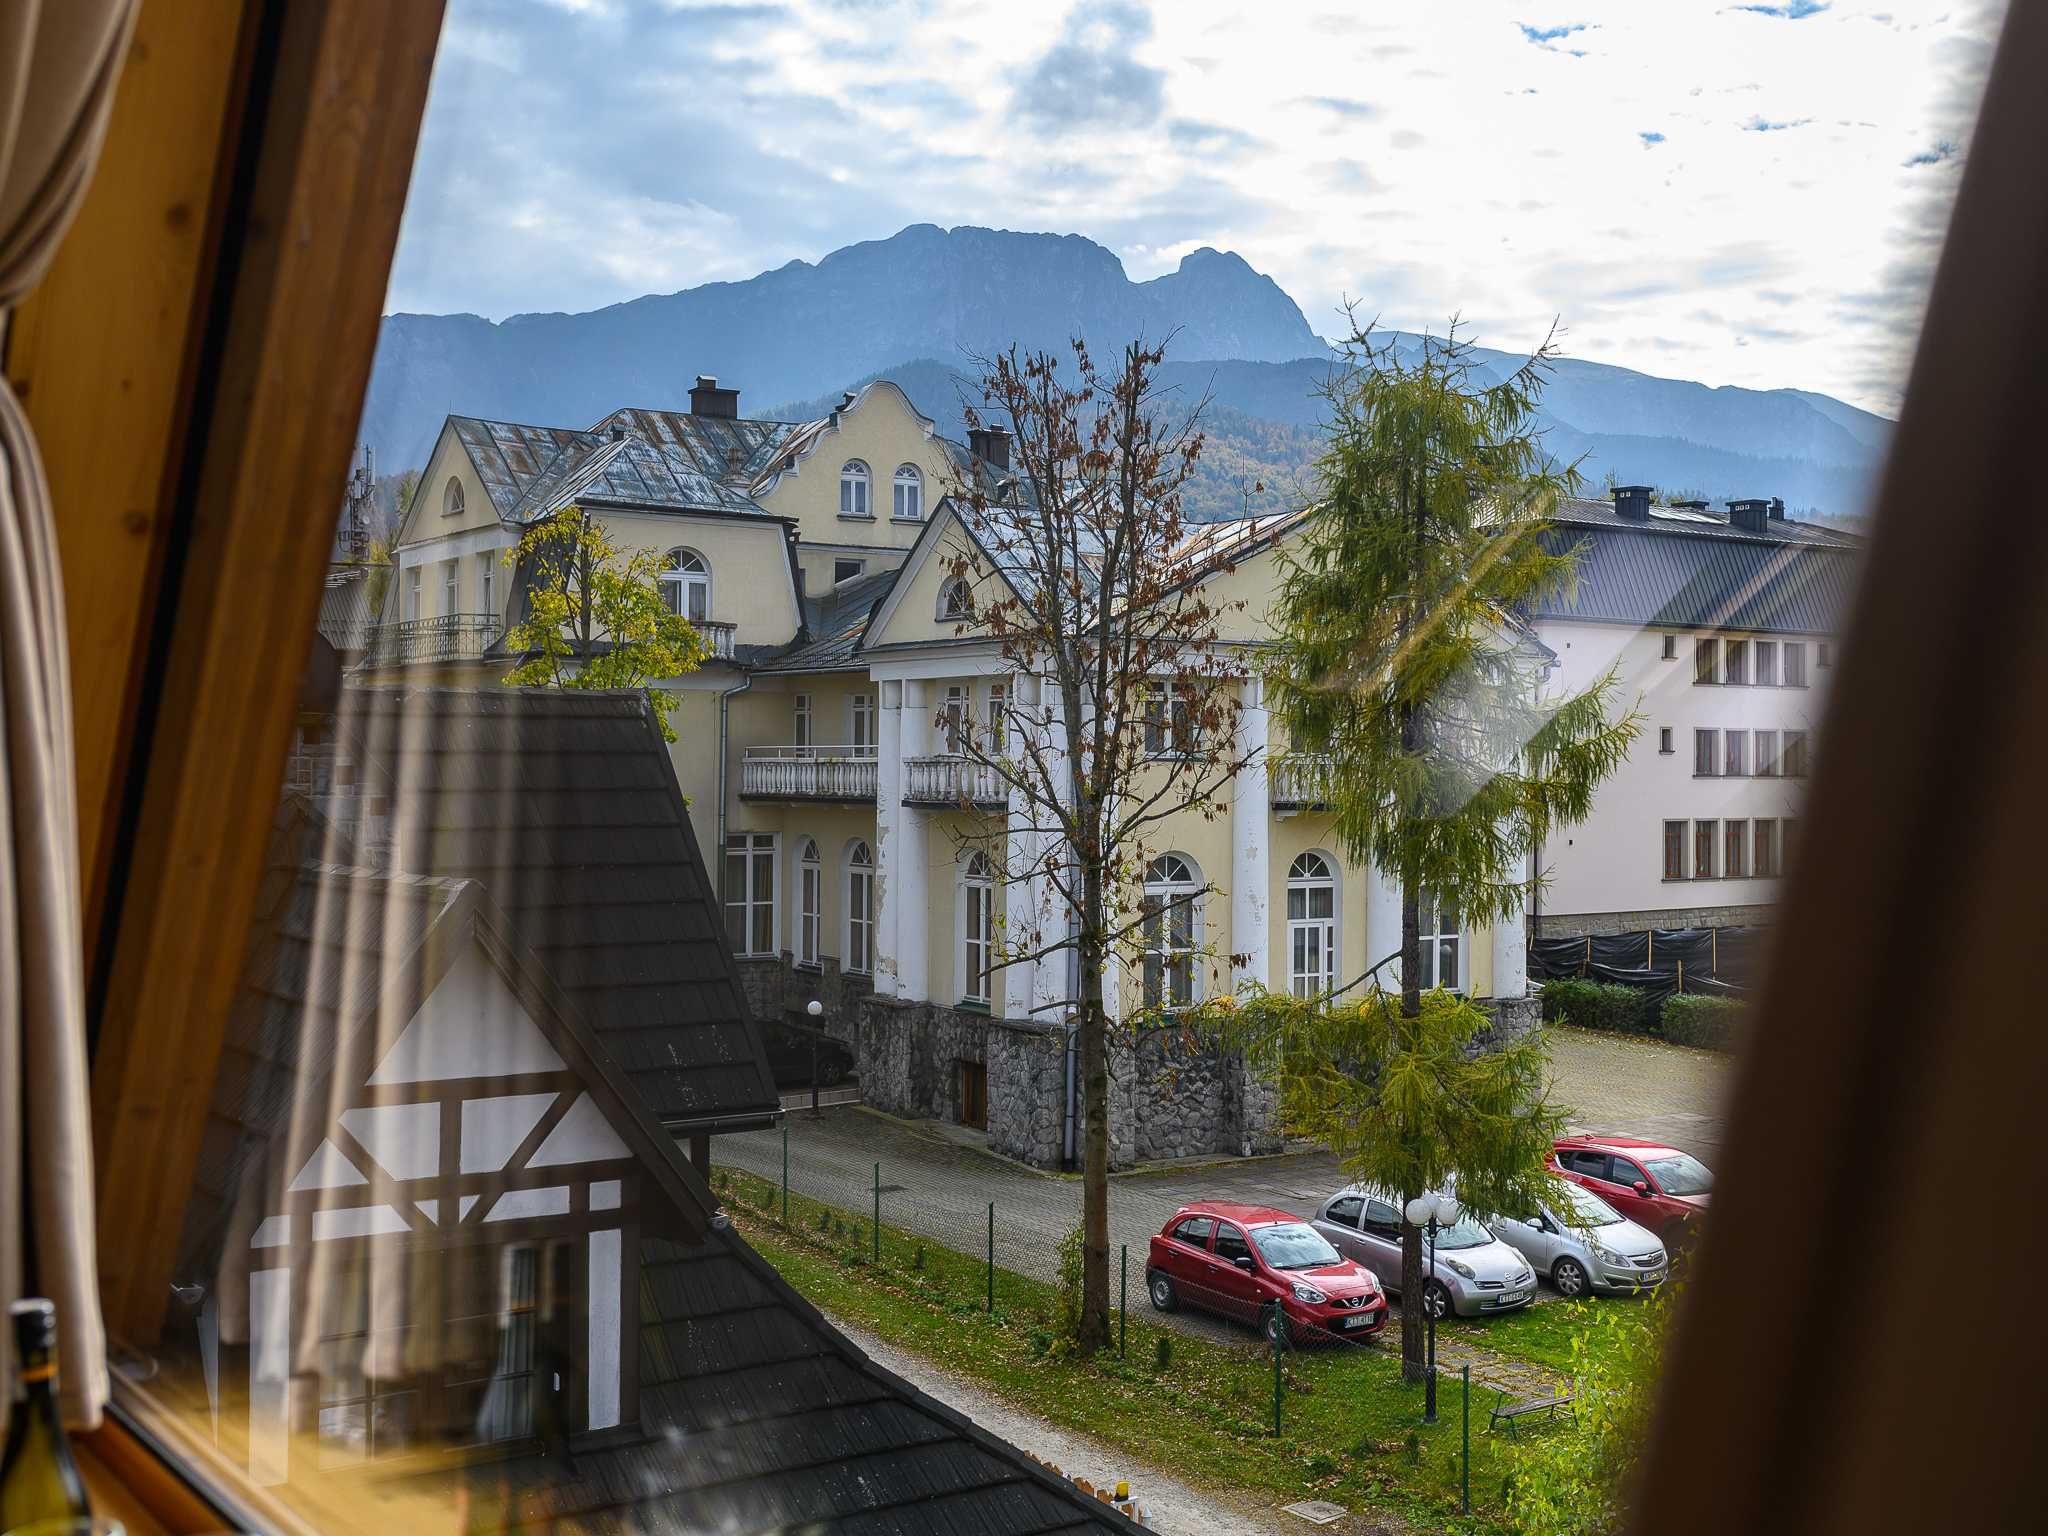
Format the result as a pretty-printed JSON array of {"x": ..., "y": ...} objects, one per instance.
[{"x": 816, "y": 751}]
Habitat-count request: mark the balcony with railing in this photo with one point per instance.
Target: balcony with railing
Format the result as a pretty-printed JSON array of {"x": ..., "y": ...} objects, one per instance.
[
  {"x": 951, "y": 782},
  {"x": 717, "y": 637},
  {"x": 844, "y": 774},
  {"x": 1300, "y": 781},
  {"x": 448, "y": 637}
]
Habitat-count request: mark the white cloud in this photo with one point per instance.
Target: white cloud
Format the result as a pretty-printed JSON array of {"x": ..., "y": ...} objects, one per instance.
[{"x": 1486, "y": 158}]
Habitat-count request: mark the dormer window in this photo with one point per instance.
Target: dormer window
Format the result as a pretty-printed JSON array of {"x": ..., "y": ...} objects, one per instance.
[
  {"x": 956, "y": 600},
  {"x": 854, "y": 483},
  {"x": 451, "y": 498},
  {"x": 909, "y": 505}
]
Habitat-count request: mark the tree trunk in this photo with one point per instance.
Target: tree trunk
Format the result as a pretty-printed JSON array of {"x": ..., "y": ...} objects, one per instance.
[
  {"x": 1414, "y": 1327},
  {"x": 1094, "y": 1324}
]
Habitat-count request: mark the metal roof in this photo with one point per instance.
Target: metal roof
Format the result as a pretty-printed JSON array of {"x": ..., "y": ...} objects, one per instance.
[
  {"x": 1694, "y": 572},
  {"x": 345, "y": 613},
  {"x": 661, "y": 461}
]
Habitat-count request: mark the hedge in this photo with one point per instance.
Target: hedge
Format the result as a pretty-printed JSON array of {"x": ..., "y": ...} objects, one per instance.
[
  {"x": 1597, "y": 1005},
  {"x": 1713, "y": 1022}
]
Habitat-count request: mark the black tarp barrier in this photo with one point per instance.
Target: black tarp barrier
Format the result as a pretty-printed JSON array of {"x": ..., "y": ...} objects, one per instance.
[{"x": 1725, "y": 961}]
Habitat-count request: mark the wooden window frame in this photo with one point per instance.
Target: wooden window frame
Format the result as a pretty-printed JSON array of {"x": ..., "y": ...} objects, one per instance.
[{"x": 228, "y": 265}]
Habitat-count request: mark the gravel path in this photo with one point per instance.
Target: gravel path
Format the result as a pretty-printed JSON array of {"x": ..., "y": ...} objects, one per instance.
[{"x": 1171, "y": 1507}]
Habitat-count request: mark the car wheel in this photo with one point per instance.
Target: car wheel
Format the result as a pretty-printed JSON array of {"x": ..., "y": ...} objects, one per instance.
[
  {"x": 1164, "y": 1297},
  {"x": 1436, "y": 1300},
  {"x": 831, "y": 1074},
  {"x": 1570, "y": 1278},
  {"x": 1273, "y": 1327}
]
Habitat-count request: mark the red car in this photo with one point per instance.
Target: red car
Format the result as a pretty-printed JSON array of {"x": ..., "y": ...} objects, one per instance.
[
  {"x": 1653, "y": 1185},
  {"x": 1240, "y": 1259}
]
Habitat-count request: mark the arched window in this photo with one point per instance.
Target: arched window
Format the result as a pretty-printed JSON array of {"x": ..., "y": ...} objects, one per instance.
[
  {"x": 853, "y": 489},
  {"x": 1311, "y": 926},
  {"x": 686, "y": 585},
  {"x": 1437, "y": 920},
  {"x": 451, "y": 498},
  {"x": 1168, "y": 917},
  {"x": 956, "y": 599},
  {"x": 978, "y": 928},
  {"x": 909, "y": 504},
  {"x": 860, "y": 909},
  {"x": 810, "y": 900}
]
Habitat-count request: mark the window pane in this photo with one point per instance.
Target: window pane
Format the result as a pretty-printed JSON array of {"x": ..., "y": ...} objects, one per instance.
[{"x": 1707, "y": 661}]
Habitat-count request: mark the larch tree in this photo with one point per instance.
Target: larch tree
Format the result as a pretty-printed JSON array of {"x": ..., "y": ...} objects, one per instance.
[
  {"x": 596, "y": 616},
  {"x": 1402, "y": 663},
  {"x": 1083, "y": 569}
]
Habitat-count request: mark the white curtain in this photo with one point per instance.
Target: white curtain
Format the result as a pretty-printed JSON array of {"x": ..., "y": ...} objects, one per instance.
[{"x": 59, "y": 61}]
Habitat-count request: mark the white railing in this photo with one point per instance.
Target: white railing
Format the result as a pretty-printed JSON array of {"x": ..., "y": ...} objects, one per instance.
[
  {"x": 951, "y": 781},
  {"x": 1300, "y": 779},
  {"x": 717, "y": 637},
  {"x": 808, "y": 773}
]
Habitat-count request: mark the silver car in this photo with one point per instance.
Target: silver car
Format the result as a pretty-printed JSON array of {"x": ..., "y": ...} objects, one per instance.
[
  {"x": 1475, "y": 1272},
  {"x": 1584, "y": 1244}
]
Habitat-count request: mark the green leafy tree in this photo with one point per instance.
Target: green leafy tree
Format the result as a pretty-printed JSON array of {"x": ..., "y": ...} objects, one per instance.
[
  {"x": 1401, "y": 661},
  {"x": 595, "y": 615}
]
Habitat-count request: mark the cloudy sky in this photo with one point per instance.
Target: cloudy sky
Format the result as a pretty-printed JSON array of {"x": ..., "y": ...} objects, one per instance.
[{"x": 1736, "y": 193}]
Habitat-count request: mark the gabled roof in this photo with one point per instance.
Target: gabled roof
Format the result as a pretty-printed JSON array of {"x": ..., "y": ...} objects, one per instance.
[
  {"x": 565, "y": 805},
  {"x": 835, "y": 623},
  {"x": 755, "y": 1413},
  {"x": 1691, "y": 570}
]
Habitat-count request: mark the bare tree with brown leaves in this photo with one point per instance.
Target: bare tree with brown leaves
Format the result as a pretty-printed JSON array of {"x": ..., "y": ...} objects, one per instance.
[{"x": 1121, "y": 713}]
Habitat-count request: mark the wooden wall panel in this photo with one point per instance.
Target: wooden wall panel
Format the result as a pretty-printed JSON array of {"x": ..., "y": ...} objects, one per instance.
[
  {"x": 337, "y": 93},
  {"x": 101, "y": 355}
]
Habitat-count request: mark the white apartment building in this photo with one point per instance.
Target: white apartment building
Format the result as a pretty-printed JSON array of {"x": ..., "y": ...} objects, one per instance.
[{"x": 1721, "y": 630}]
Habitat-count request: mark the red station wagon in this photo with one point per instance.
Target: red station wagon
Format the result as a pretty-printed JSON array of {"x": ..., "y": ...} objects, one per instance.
[
  {"x": 1240, "y": 1259},
  {"x": 1653, "y": 1185}
]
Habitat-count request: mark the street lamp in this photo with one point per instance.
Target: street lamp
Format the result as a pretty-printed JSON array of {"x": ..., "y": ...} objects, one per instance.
[
  {"x": 1428, "y": 1212},
  {"x": 814, "y": 1008}
]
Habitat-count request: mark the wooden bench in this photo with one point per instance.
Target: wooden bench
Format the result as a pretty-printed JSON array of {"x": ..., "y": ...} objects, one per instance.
[{"x": 1511, "y": 1414}]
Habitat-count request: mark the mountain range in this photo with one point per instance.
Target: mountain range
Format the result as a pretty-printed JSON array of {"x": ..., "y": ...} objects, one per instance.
[{"x": 919, "y": 306}]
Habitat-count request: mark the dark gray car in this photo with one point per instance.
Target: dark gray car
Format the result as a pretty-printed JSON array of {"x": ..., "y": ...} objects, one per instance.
[{"x": 1475, "y": 1273}]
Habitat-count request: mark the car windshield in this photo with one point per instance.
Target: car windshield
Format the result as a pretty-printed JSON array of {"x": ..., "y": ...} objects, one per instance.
[
  {"x": 1295, "y": 1245},
  {"x": 1583, "y": 1208},
  {"x": 1680, "y": 1174},
  {"x": 1465, "y": 1232}
]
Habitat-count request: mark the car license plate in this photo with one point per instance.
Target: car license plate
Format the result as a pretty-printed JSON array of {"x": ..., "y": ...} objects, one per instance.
[
  {"x": 1514, "y": 1298},
  {"x": 1359, "y": 1319}
]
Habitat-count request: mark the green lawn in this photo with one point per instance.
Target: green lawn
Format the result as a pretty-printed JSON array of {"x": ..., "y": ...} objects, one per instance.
[{"x": 1351, "y": 1430}]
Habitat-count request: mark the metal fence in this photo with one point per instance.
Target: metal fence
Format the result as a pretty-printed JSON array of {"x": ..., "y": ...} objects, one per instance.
[{"x": 1003, "y": 1255}]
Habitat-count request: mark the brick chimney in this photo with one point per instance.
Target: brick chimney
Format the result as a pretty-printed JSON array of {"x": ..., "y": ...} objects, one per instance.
[
  {"x": 707, "y": 399},
  {"x": 991, "y": 444},
  {"x": 1633, "y": 502},
  {"x": 1749, "y": 515}
]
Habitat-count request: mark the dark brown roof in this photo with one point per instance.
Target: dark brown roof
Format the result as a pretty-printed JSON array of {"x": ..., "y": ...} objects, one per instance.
[{"x": 565, "y": 806}]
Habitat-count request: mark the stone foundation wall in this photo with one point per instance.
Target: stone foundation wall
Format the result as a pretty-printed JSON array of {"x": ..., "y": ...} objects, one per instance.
[
  {"x": 910, "y": 1055},
  {"x": 1194, "y": 1103},
  {"x": 1027, "y": 1085},
  {"x": 777, "y": 989},
  {"x": 1577, "y": 925},
  {"x": 1512, "y": 1018}
]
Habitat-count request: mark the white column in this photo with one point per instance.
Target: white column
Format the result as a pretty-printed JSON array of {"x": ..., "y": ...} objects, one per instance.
[
  {"x": 1511, "y": 954},
  {"x": 888, "y": 820},
  {"x": 913, "y": 857},
  {"x": 1382, "y": 926},
  {"x": 1049, "y": 989},
  {"x": 1024, "y": 919},
  {"x": 1251, "y": 839},
  {"x": 606, "y": 1258},
  {"x": 270, "y": 1384}
]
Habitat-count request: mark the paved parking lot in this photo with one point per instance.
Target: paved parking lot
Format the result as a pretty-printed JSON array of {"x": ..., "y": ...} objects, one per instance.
[{"x": 935, "y": 1182}]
